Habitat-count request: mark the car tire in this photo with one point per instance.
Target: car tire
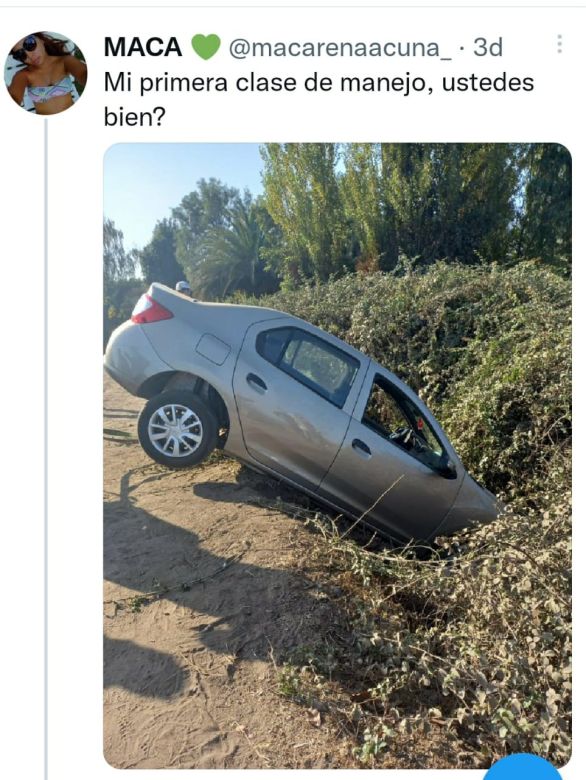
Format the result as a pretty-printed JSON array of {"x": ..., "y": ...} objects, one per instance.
[{"x": 177, "y": 428}]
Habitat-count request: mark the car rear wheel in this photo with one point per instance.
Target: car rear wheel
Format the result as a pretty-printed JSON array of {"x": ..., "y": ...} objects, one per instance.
[{"x": 177, "y": 429}]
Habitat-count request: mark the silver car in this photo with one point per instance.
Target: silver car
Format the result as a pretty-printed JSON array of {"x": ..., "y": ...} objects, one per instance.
[{"x": 300, "y": 404}]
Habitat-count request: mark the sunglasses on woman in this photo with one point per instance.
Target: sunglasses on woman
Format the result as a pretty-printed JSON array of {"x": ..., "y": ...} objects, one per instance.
[{"x": 29, "y": 44}]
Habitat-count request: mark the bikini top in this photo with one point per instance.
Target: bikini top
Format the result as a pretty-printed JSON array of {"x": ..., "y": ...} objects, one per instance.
[{"x": 42, "y": 94}]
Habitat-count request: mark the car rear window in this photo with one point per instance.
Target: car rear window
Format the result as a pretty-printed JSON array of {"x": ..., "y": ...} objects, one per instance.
[{"x": 320, "y": 366}]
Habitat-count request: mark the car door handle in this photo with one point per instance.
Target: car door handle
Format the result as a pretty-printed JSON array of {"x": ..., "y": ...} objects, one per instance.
[
  {"x": 361, "y": 448},
  {"x": 256, "y": 383}
]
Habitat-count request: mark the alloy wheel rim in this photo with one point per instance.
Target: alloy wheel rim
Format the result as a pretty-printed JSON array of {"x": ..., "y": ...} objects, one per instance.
[{"x": 175, "y": 430}]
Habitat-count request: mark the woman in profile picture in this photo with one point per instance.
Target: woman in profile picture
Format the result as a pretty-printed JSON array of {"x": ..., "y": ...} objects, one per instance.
[{"x": 47, "y": 73}]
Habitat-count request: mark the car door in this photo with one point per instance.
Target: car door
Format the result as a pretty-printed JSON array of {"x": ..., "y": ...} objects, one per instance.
[
  {"x": 295, "y": 389},
  {"x": 377, "y": 473}
]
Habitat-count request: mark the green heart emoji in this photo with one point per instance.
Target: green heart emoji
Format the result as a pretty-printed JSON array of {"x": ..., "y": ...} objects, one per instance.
[{"x": 205, "y": 45}]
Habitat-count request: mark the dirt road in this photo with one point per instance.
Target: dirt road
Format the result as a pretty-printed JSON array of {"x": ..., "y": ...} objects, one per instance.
[{"x": 205, "y": 594}]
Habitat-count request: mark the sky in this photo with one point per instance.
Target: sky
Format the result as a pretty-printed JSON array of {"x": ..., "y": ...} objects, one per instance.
[{"x": 143, "y": 182}]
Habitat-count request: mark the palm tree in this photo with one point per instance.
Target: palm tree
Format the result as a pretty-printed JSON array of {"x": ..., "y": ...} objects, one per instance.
[{"x": 230, "y": 255}]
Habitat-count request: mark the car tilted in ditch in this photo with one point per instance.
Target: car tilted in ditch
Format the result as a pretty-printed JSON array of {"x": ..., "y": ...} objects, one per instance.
[{"x": 297, "y": 403}]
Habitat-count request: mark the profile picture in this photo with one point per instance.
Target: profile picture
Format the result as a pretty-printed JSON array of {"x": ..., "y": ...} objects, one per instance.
[{"x": 45, "y": 73}]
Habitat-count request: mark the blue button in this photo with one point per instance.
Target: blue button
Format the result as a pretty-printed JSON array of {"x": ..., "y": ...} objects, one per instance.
[{"x": 521, "y": 766}]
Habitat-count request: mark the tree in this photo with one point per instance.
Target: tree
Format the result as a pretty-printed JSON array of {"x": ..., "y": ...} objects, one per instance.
[
  {"x": 451, "y": 201},
  {"x": 429, "y": 202},
  {"x": 158, "y": 260},
  {"x": 545, "y": 223},
  {"x": 206, "y": 207},
  {"x": 370, "y": 216},
  {"x": 407, "y": 186},
  {"x": 117, "y": 263},
  {"x": 230, "y": 255},
  {"x": 489, "y": 183},
  {"x": 302, "y": 195},
  {"x": 121, "y": 288}
]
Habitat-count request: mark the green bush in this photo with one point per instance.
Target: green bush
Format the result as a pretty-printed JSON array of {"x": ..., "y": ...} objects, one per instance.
[
  {"x": 487, "y": 348},
  {"x": 468, "y": 650}
]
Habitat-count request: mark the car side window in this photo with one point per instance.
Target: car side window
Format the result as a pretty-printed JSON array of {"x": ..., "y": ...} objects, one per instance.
[
  {"x": 395, "y": 417},
  {"x": 320, "y": 366}
]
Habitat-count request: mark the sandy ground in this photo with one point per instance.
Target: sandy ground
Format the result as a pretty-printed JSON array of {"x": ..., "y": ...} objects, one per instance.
[{"x": 204, "y": 596}]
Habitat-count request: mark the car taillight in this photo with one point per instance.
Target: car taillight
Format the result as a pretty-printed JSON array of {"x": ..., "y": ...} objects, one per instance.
[{"x": 147, "y": 310}]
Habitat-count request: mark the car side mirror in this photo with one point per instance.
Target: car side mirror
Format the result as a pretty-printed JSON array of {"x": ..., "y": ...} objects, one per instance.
[{"x": 447, "y": 468}]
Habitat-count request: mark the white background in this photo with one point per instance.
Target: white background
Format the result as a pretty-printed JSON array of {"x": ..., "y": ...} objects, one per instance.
[{"x": 77, "y": 141}]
